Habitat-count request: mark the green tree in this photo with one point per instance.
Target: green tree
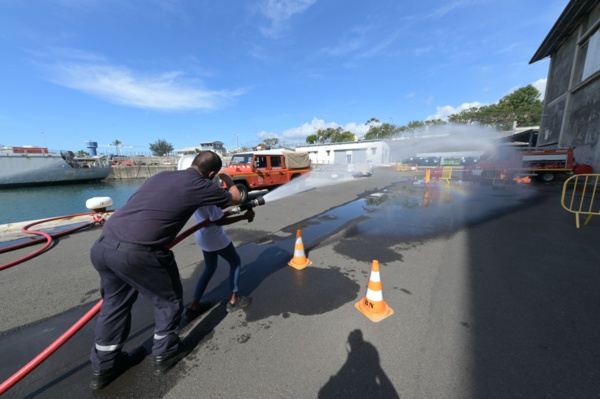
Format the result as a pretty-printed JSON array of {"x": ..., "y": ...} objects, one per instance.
[
  {"x": 270, "y": 143},
  {"x": 161, "y": 148},
  {"x": 382, "y": 131},
  {"x": 331, "y": 135},
  {"x": 435, "y": 122},
  {"x": 522, "y": 106},
  {"x": 311, "y": 139},
  {"x": 326, "y": 135},
  {"x": 344, "y": 137},
  {"x": 82, "y": 153},
  {"x": 415, "y": 125}
]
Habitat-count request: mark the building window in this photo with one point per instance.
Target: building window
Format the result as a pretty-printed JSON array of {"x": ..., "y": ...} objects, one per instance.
[{"x": 592, "y": 56}]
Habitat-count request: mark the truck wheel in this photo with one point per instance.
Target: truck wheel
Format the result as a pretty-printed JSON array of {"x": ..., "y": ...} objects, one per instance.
[
  {"x": 547, "y": 177},
  {"x": 243, "y": 191}
]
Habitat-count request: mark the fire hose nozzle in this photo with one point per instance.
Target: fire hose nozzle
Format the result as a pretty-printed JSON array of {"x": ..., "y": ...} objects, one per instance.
[{"x": 247, "y": 205}]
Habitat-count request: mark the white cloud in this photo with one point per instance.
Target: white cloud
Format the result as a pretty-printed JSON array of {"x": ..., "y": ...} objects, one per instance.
[
  {"x": 278, "y": 12},
  {"x": 299, "y": 134},
  {"x": 447, "y": 8},
  {"x": 377, "y": 48},
  {"x": 445, "y": 111},
  {"x": 540, "y": 85},
  {"x": 358, "y": 130},
  {"x": 359, "y": 47},
  {"x": 168, "y": 91}
]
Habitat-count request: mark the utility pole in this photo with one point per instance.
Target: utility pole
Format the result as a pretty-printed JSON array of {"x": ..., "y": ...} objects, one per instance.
[{"x": 237, "y": 142}]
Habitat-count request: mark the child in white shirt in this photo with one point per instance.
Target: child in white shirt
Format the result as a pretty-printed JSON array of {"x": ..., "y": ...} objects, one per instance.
[{"x": 214, "y": 242}]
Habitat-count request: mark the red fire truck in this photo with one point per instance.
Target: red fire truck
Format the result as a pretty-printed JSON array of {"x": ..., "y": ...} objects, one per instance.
[
  {"x": 266, "y": 169},
  {"x": 507, "y": 163}
]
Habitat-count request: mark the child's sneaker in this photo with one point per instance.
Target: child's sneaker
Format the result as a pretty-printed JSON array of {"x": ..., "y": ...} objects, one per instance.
[{"x": 240, "y": 303}]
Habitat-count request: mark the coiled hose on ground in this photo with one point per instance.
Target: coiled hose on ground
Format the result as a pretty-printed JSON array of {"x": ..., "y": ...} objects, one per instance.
[
  {"x": 49, "y": 238},
  {"x": 46, "y": 353}
]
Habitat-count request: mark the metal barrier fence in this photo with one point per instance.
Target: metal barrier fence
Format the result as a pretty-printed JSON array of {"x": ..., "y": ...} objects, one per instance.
[
  {"x": 400, "y": 167},
  {"x": 446, "y": 174},
  {"x": 579, "y": 194}
]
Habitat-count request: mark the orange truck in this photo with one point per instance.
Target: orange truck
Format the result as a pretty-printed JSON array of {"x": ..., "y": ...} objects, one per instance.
[
  {"x": 266, "y": 169},
  {"x": 509, "y": 163}
]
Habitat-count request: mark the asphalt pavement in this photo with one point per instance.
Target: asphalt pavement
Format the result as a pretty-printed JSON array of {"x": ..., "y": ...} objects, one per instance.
[{"x": 494, "y": 291}]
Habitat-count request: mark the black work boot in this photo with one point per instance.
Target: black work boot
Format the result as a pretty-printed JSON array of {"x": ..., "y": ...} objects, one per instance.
[
  {"x": 100, "y": 379},
  {"x": 164, "y": 363}
]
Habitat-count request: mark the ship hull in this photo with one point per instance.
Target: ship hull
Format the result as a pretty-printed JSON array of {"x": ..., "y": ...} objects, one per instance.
[{"x": 46, "y": 169}]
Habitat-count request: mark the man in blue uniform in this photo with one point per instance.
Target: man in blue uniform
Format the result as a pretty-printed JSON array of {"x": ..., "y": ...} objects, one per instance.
[{"x": 131, "y": 257}]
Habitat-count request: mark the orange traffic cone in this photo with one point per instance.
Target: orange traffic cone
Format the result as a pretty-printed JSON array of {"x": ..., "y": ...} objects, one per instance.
[
  {"x": 373, "y": 306},
  {"x": 427, "y": 176},
  {"x": 299, "y": 261}
]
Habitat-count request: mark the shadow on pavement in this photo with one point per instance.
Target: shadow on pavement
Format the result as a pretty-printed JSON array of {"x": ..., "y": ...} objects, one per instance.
[{"x": 361, "y": 376}]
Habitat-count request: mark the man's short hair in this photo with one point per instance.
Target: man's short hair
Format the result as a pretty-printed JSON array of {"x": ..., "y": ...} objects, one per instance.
[{"x": 207, "y": 161}]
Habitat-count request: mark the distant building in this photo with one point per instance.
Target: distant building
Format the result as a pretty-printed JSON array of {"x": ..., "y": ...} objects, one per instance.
[
  {"x": 571, "y": 114},
  {"x": 356, "y": 152},
  {"x": 216, "y": 146},
  {"x": 520, "y": 136}
]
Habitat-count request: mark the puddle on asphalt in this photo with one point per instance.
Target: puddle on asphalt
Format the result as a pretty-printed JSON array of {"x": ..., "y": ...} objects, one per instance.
[
  {"x": 378, "y": 226},
  {"x": 307, "y": 292},
  {"x": 406, "y": 214}
]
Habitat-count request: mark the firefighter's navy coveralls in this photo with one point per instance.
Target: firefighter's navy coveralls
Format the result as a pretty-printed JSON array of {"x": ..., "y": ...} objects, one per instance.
[{"x": 131, "y": 257}]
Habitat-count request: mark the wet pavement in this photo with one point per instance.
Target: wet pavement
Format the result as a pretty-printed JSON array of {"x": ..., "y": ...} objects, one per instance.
[{"x": 494, "y": 294}]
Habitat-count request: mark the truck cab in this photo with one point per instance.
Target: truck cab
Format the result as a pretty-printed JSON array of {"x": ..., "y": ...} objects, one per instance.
[{"x": 266, "y": 169}]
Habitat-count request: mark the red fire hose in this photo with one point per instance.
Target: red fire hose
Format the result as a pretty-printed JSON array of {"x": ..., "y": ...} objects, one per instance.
[
  {"x": 11, "y": 381},
  {"x": 45, "y": 236}
]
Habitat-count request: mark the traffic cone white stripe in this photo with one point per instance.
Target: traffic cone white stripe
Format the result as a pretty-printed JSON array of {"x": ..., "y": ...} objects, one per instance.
[
  {"x": 375, "y": 277},
  {"x": 374, "y": 295}
]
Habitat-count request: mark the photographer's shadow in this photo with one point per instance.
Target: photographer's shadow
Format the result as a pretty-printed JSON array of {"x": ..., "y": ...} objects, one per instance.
[{"x": 361, "y": 376}]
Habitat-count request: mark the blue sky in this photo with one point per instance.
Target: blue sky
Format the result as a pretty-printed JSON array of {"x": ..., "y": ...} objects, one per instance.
[{"x": 192, "y": 71}]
